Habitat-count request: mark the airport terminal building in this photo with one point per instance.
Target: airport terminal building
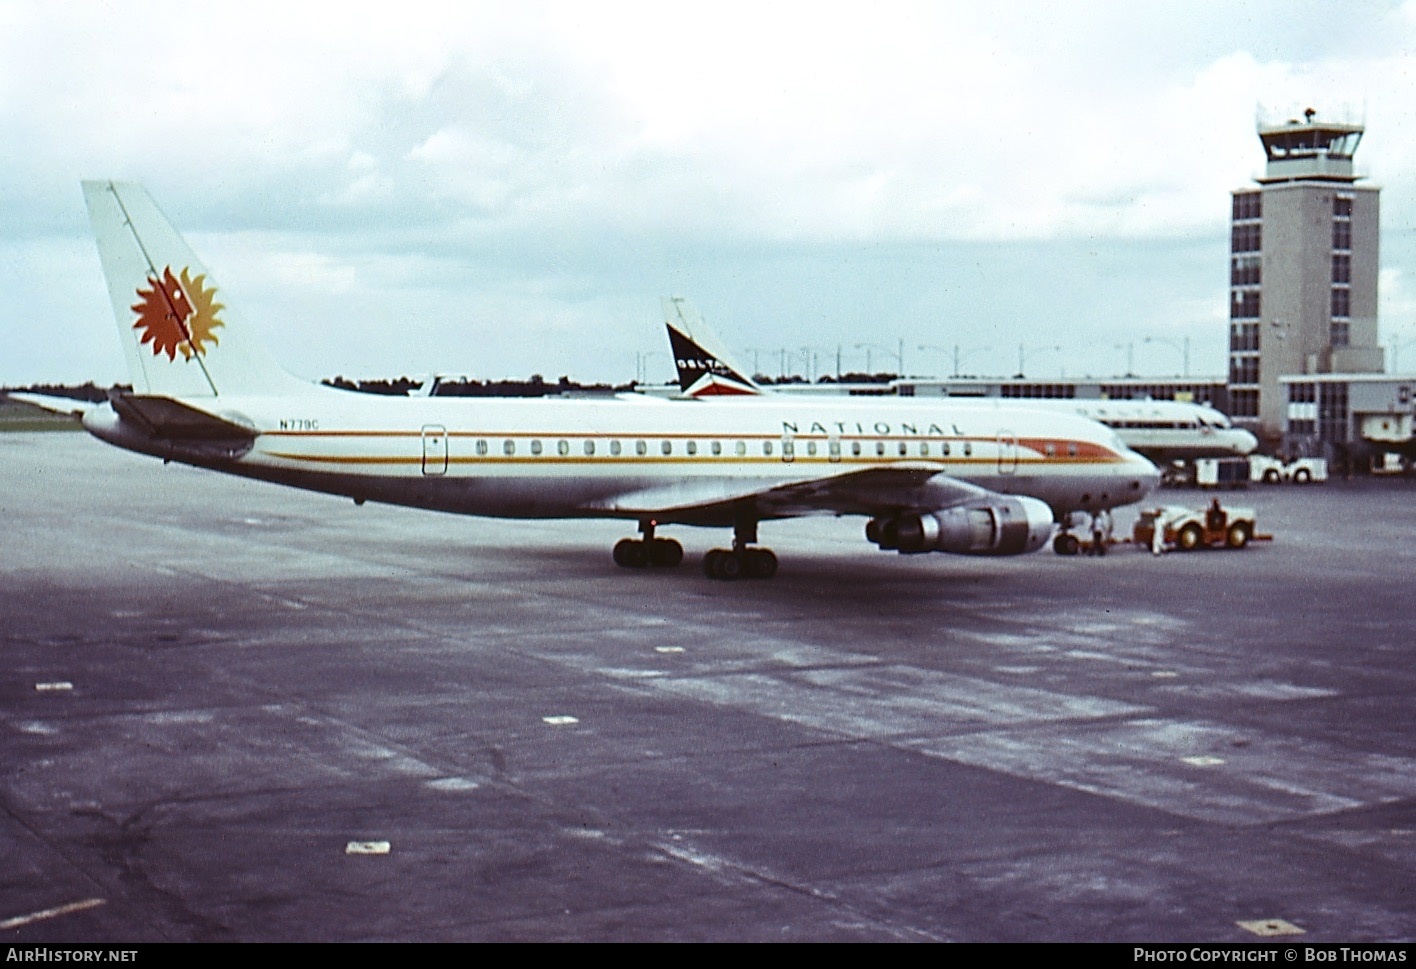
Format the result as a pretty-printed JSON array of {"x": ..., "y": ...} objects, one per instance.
[{"x": 1348, "y": 418}]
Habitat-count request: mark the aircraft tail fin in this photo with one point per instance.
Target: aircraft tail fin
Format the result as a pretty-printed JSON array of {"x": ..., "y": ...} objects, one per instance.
[
  {"x": 180, "y": 340},
  {"x": 703, "y": 369}
]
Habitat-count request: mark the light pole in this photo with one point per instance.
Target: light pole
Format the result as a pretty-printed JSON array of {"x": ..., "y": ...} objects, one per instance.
[
  {"x": 1183, "y": 347},
  {"x": 756, "y": 368},
  {"x": 641, "y": 361},
  {"x": 812, "y": 357},
  {"x": 959, "y": 355},
  {"x": 1025, "y": 352},
  {"x": 899, "y": 355},
  {"x": 1130, "y": 348}
]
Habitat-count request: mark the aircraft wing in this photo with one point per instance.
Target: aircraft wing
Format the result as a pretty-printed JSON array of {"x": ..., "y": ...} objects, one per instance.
[{"x": 918, "y": 486}]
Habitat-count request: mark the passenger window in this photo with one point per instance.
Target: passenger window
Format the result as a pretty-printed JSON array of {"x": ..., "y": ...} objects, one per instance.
[
  {"x": 615, "y": 448},
  {"x": 855, "y": 449},
  {"x": 589, "y": 447},
  {"x": 904, "y": 448},
  {"x": 562, "y": 448},
  {"x": 968, "y": 448},
  {"x": 508, "y": 447},
  {"x": 924, "y": 449},
  {"x": 535, "y": 447},
  {"x": 741, "y": 448},
  {"x": 692, "y": 448},
  {"x": 717, "y": 447},
  {"x": 481, "y": 447},
  {"x": 811, "y": 448},
  {"x": 766, "y": 447},
  {"x": 880, "y": 449},
  {"x": 944, "y": 449},
  {"x": 1050, "y": 449},
  {"x": 640, "y": 448},
  {"x": 1071, "y": 449},
  {"x": 667, "y": 447}
]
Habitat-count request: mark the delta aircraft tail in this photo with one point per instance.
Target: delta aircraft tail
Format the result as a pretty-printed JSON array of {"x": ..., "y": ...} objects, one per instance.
[
  {"x": 179, "y": 338},
  {"x": 703, "y": 369}
]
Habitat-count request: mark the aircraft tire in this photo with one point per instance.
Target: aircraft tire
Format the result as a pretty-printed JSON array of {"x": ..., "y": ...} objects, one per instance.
[
  {"x": 1190, "y": 538},
  {"x": 1065, "y": 544},
  {"x": 665, "y": 552},
  {"x": 761, "y": 563},
  {"x": 630, "y": 554}
]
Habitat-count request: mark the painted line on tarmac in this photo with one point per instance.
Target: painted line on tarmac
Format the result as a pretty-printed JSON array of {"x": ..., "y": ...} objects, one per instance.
[{"x": 49, "y": 913}]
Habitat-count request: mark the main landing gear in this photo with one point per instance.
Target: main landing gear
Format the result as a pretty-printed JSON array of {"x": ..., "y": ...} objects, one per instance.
[
  {"x": 741, "y": 561},
  {"x": 632, "y": 553}
]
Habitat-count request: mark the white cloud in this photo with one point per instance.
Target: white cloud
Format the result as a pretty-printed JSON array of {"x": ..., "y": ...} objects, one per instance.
[{"x": 559, "y": 165}]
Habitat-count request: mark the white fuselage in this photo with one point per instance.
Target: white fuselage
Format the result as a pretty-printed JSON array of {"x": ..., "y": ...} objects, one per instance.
[
  {"x": 549, "y": 458},
  {"x": 1167, "y": 430}
]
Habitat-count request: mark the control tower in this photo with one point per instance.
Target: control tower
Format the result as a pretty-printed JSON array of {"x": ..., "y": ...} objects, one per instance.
[{"x": 1302, "y": 268}]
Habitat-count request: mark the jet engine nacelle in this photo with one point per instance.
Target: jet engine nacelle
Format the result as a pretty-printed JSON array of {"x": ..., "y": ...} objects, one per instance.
[{"x": 1009, "y": 526}]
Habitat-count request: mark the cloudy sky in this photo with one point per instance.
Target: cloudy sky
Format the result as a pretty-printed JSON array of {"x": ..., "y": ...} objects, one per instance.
[{"x": 506, "y": 189}]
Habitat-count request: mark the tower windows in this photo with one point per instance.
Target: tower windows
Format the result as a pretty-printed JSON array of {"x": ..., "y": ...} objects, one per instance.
[
  {"x": 1248, "y": 205},
  {"x": 1245, "y": 271},
  {"x": 1245, "y": 304},
  {"x": 1246, "y": 237}
]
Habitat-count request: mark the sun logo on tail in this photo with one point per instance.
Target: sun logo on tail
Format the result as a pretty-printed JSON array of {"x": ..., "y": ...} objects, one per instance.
[{"x": 177, "y": 315}]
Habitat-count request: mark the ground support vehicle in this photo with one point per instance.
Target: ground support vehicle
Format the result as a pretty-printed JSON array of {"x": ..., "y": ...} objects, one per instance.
[
  {"x": 1222, "y": 472},
  {"x": 1187, "y": 529},
  {"x": 1299, "y": 470}
]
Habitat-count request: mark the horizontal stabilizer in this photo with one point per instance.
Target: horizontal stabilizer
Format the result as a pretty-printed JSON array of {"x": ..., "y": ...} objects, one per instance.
[
  {"x": 56, "y": 405},
  {"x": 173, "y": 420}
]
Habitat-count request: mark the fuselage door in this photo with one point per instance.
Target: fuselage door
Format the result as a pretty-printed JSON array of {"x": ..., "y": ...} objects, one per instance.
[
  {"x": 1007, "y": 452},
  {"x": 434, "y": 449},
  {"x": 788, "y": 447}
]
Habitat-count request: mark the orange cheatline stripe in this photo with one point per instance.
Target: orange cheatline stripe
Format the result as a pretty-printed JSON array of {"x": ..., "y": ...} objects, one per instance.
[
  {"x": 699, "y": 460},
  {"x": 1085, "y": 449}
]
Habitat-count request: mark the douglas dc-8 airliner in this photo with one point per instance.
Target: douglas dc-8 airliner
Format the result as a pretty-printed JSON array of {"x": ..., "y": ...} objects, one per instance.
[{"x": 928, "y": 476}]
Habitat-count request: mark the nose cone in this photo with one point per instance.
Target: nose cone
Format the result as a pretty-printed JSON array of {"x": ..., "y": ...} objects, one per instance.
[
  {"x": 1244, "y": 442},
  {"x": 1144, "y": 476}
]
